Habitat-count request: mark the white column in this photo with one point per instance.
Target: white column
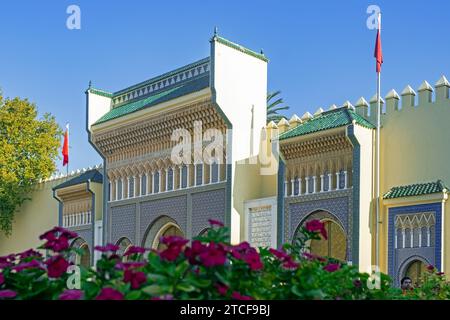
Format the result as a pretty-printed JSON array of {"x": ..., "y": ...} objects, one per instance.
[
  {"x": 167, "y": 179},
  {"x": 117, "y": 190},
  {"x": 307, "y": 185},
  {"x": 314, "y": 184},
  {"x": 337, "y": 180},
  {"x": 299, "y": 186},
  {"x": 286, "y": 183},
  {"x": 428, "y": 236},
  {"x": 292, "y": 187},
  {"x": 153, "y": 181},
  {"x": 395, "y": 239},
  {"x": 411, "y": 237},
  {"x": 210, "y": 172},
  {"x": 345, "y": 180},
  {"x": 329, "y": 181},
  {"x": 321, "y": 183}
]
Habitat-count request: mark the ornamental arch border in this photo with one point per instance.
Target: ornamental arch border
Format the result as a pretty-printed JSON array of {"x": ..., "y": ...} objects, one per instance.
[{"x": 156, "y": 227}]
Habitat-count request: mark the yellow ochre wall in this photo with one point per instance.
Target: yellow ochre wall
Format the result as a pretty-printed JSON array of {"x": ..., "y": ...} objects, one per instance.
[
  {"x": 414, "y": 149},
  {"x": 32, "y": 219}
]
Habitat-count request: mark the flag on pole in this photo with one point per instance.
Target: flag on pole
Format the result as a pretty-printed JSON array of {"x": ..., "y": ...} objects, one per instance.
[
  {"x": 65, "y": 150},
  {"x": 378, "y": 53}
]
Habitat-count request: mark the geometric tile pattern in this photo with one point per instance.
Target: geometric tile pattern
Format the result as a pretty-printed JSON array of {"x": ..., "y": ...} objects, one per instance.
[
  {"x": 207, "y": 205},
  {"x": 123, "y": 222}
]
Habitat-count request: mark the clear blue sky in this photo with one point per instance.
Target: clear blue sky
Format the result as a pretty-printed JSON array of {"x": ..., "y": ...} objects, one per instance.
[{"x": 320, "y": 52}]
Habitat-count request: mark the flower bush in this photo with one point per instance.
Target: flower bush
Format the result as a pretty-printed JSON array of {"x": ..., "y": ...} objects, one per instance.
[{"x": 207, "y": 268}]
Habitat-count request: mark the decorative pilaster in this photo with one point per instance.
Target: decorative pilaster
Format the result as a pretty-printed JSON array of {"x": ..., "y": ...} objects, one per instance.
[
  {"x": 292, "y": 187},
  {"x": 321, "y": 183},
  {"x": 314, "y": 184},
  {"x": 307, "y": 185},
  {"x": 345, "y": 180},
  {"x": 337, "y": 180}
]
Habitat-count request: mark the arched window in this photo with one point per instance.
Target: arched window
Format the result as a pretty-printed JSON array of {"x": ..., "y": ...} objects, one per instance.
[
  {"x": 341, "y": 179},
  {"x": 184, "y": 176},
  {"x": 84, "y": 257},
  {"x": 156, "y": 181},
  {"x": 143, "y": 185},
  {"x": 311, "y": 185},
  {"x": 120, "y": 189},
  {"x": 130, "y": 187},
  {"x": 199, "y": 174},
  {"x": 214, "y": 172},
  {"x": 170, "y": 179},
  {"x": 415, "y": 270},
  {"x": 124, "y": 244}
]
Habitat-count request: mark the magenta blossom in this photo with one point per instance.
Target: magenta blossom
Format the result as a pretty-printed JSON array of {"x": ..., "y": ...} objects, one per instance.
[
  {"x": 56, "y": 266},
  {"x": 332, "y": 267},
  {"x": 193, "y": 252},
  {"x": 316, "y": 225},
  {"x": 130, "y": 265},
  {"x": 279, "y": 254},
  {"x": 134, "y": 250},
  {"x": 310, "y": 256},
  {"x": 173, "y": 241},
  {"x": 214, "y": 255},
  {"x": 221, "y": 289},
  {"x": 33, "y": 264},
  {"x": 253, "y": 259},
  {"x": 237, "y": 296},
  {"x": 109, "y": 294},
  {"x": 215, "y": 223},
  {"x": 29, "y": 253},
  {"x": 108, "y": 248},
  {"x": 52, "y": 234},
  {"x": 2, "y": 279},
  {"x": 7, "y": 294},
  {"x": 290, "y": 264},
  {"x": 135, "y": 278},
  {"x": 71, "y": 295}
]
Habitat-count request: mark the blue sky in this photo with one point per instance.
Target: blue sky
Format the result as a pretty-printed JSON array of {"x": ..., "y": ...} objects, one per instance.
[{"x": 320, "y": 52}]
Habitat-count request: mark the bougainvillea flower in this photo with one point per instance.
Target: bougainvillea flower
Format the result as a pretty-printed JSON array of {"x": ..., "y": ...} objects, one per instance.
[
  {"x": 108, "y": 248},
  {"x": 134, "y": 250},
  {"x": 29, "y": 253},
  {"x": 221, "y": 289},
  {"x": 316, "y": 225},
  {"x": 109, "y": 294},
  {"x": 279, "y": 254},
  {"x": 253, "y": 259},
  {"x": 332, "y": 267},
  {"x": 56, "y": 266},
  {"x": 33, "y": 264},
  {"x": 7, "y": 294},
  {"x": 135, "y": 278},
  {"x": 71, "y": 295},
  {"x": 237, "y": 296},
  {"x": 215, "y": 223},
  {"x": 213, "y": 255}
]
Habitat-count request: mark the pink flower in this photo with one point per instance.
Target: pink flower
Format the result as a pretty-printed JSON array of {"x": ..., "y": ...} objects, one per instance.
[
  {"x": 108, "y": 248},
  {"x": 222, "y": 289},
  {"x": 310, "y": 256},
  {"x": 7, "y": 294},
  {"x": 134, "y": 250},
  {"x": 33, "y": 264},
  {"x": 135, "y": 278},
  {"x": 237, "y": 296},
  {"x": 173, "y": 241},
  {"x": 215, "y": 223},
  {"x": 71, "y": 295},
  {"x": 109, "y": 294},
  {"x": 192, "y": 252},
  {"x": 2, "y": 279},
  {"x": 316, "y": 225},
  {"x": 332, "y": 267},
  {"x": 171, "y": 253},
  {"x": 29, "y": 253},
  {"x": 430, "y": 268},
  {"x": 56, "y": 266},
  {"x": 130, "y": 265},
  {"x": 290, "y": 264},
  {"x": 239, "y": 250},
  {"x": 214, "y": 255},
  {"x": 253, "y": 260},
  {"x": 52, "y": 234}
]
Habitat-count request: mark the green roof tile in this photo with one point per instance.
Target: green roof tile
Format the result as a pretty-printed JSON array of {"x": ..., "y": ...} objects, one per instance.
[
  {"x": 327, "y": 120},
  {"x": 100, "y": 92},
  {"x": 415, "y": 190},
  {"x": 159, "y": 97},
  {"x": 238, "y": 47}
]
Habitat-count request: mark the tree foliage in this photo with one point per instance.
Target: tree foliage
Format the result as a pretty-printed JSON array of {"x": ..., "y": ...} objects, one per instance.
[
  {"x": 274, "y": 105},
  {"x": 28, "y": 148}
]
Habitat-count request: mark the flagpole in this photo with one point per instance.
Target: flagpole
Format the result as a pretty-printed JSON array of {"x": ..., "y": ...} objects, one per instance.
[{"x": 377, "y": 231}]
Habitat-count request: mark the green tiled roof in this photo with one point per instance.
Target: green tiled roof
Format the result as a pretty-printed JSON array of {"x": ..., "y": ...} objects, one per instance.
[
  {"x": 241, "y": 48},
  {"x": 93, "y": 175},
  {"x": 415, "y": 190},
  {"x": 159, "y": 97},
  {"x": 100, "y": 92},
  {"x": 327, "y": 120}
]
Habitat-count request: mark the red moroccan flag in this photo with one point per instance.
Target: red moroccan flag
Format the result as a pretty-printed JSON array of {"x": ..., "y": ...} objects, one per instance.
[
  {"x": 65, "y": 150},
  {"x": 378, "y": 53}
]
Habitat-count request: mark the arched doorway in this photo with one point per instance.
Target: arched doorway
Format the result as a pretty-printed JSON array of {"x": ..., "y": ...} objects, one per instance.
[
  {"x": 170, "y": 229},
  {"x": 415, "y": 271},
  {"x": 161, "y": 227},
  {"x": 335, "y": 246},
  {"x": 124, "y": 243},
  {"x": 84, "y": 257}
]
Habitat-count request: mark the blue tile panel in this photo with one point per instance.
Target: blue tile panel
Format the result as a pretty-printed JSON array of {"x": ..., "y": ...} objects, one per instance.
[
  {"x": 123, "y": 222},
  {"x": 207, "y": 205}
]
